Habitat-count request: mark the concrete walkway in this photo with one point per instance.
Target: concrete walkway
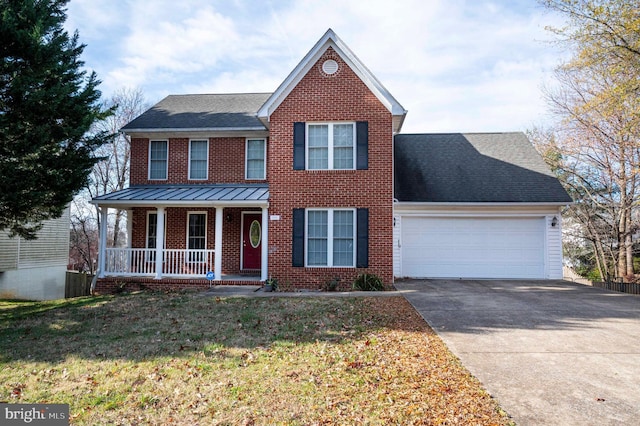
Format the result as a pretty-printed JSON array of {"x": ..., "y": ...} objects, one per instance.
[{"x": 550, "y": 352}]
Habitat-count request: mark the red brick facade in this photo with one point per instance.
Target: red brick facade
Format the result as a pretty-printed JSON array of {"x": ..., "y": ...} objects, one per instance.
[
  {"x": 226, "y": 161},
  {"x": 339, "y": 97}
]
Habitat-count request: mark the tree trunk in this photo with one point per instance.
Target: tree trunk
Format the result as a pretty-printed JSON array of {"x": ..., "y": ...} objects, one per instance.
[
  {"x": 600, "y": 255},
  {"x": 629, "y": 245},
  {"x": 622, "y": 250},
  {"x": 116, "y": 227}
]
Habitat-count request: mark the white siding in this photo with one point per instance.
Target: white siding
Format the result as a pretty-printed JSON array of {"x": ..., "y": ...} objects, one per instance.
[
  {"x": 36, "y": 269},
  {"x": 397, "y": 250},
  {"x": 8, "y": 252},
  {"x": 554, "y": 248},
  {"x": 51, "y": 248}
]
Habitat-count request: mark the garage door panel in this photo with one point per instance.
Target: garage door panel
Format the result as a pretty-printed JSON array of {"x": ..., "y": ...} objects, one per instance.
[{"x": 473, "y": 247}]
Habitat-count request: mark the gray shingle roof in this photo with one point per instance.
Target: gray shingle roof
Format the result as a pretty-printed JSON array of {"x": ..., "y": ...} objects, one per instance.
[
  {"x": 186, "y": 194},
  {"x": 475, "y": 167},
  {"x": 217, "y": 111}
]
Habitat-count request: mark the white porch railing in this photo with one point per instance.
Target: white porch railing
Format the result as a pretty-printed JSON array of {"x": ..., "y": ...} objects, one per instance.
[
  {"x": 187, "y": 262},
  {"x": 142, "y": 262}
]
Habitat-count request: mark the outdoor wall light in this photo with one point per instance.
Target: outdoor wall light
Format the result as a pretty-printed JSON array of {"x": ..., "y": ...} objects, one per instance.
[
  {"x": 229, "y": 218},
  {"x": 554, "y": 221}
]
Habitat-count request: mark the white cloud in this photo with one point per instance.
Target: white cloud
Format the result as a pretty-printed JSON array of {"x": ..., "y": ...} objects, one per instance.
[
  {"x": 455, "y": 65},
  {"x": 172, "y": 44}
]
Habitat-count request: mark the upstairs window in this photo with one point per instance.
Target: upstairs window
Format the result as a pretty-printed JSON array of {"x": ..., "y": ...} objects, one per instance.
[
  {"x": 256, "y": 153},
  {"x": 330, "y": 146},
  {"x": 158, "y": 155},
  {"x": 198, "y": 159}
]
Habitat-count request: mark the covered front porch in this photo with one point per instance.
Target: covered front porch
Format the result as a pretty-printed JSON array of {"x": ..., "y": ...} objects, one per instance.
[{"x": 188, "y": 232}]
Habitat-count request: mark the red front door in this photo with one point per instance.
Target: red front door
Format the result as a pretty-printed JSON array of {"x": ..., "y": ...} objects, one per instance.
[{"x": 251, "y": 241}]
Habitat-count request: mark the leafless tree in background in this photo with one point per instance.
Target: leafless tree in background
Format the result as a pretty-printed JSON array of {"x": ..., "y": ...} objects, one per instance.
[
  {"x": 595, "y": 148},
  {"x": 109, "y": 175}
]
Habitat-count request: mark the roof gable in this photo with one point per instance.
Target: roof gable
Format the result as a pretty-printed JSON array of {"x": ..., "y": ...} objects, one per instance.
[
  {"x": 331, "y": 40},
  {"x": 472, "y": 168}
]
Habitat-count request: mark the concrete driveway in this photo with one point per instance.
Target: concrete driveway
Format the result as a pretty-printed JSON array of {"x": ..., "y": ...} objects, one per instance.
[{"x": 550, "y": 352}]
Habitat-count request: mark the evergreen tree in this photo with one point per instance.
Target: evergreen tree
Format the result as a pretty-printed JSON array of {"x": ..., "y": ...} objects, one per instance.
[{"x": 47, "y": 106}]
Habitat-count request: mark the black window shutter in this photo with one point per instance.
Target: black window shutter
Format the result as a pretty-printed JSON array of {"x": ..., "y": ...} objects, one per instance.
[
  {"x": 362, "y": 145},
  {"x": 298, "y": 146},
  {"x": 297, "y": 247},
  {"x": 362, "y": 229}
]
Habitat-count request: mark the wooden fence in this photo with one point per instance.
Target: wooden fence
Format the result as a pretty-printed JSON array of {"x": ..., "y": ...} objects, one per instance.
[
  {"x": 77, "y": 284},
  {"x": 630, "y": 288},
  {"x": 570, "y": 275}
]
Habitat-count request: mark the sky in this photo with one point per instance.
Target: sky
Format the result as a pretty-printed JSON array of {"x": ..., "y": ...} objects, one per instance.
[{"x": 455, "y": 65}]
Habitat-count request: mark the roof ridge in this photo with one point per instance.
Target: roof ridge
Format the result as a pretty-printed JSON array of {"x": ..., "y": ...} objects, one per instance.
[
  {"x": 463, "y": 133},
  {"x": 221, "y": 94}
]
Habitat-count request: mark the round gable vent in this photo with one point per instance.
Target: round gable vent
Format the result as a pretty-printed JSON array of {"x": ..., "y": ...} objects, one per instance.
[{"x": 330, "y": 67}]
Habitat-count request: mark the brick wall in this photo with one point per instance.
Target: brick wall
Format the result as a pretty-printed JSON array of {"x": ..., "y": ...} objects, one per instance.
[
  {"x": 339, "y": 97},
  {"x": 110, "y": 285},
  {"x": 226, "y": 162}
]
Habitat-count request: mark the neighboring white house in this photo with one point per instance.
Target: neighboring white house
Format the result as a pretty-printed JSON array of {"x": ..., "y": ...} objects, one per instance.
[{"x": 36, "y": 269}]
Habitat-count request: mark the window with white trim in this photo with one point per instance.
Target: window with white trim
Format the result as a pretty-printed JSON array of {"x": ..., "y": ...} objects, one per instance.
[
  {"x": 197, "y": 235},
  {"x": 152, "y": 234},
  {"x": 256, "y": 153},
  {"x": 158, "y": 156},
  {"x": 330, "y": 237},
  {"x": 198, "y": 159},
  {"x": 330, "y": 146}
]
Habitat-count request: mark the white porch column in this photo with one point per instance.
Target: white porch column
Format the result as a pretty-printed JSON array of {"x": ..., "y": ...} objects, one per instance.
[
  {"x": 104, "y": 211},
  {"x": 159, "y": 242},
  {"x": 264, "y": 267},
  {"x": 217, "y": 255}
]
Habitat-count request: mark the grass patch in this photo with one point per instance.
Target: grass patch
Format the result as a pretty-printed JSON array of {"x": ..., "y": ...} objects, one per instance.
[{"x": 187, "y": 359}]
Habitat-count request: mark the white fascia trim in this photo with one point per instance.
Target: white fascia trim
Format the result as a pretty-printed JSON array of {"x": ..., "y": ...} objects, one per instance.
[
  {"x": 476, "y": 209},
  {"x": 406, "y": 204},
  {"x": 195, "y": 129},
  {"x": 330, "y": 39}
]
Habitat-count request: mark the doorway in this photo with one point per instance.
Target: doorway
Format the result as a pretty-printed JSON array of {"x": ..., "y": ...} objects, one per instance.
[{"x": 251, "y": 243}]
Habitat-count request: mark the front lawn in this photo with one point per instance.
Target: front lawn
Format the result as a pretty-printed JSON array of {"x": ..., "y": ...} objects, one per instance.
[{"x": 186, "y": 359}]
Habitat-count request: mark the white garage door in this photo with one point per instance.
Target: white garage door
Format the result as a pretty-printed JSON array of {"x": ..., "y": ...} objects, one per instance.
[{"x": 473, "y": 247}]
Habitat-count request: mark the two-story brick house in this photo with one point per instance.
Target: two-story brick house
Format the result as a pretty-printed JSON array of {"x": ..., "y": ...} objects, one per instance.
[{"x": 313, "y": 181}]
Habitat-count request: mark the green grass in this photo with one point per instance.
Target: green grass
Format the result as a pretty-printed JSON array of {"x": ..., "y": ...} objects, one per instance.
[{"x": 186, "y": 359}]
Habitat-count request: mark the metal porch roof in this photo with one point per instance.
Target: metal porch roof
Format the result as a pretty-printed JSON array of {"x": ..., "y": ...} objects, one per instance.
[{"x": 187, "y": 195}]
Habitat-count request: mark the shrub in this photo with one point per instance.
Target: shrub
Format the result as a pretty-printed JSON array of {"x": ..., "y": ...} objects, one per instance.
[
  {"x": 332, "y": 284},
  {"x": 272, "y": 283},
  {"x": 368, "y": 282}
]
